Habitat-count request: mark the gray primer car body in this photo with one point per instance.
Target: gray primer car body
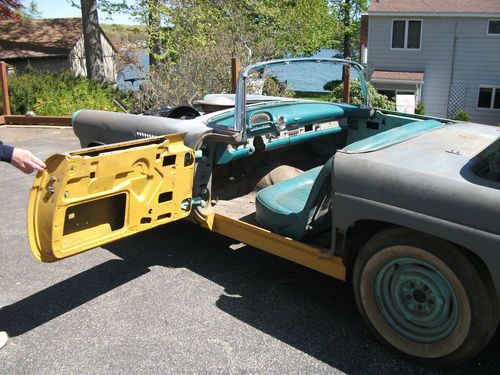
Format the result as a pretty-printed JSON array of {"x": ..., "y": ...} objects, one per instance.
[
  {"x": 110, "y": 127},
  {"x": 425, "y": 183}
]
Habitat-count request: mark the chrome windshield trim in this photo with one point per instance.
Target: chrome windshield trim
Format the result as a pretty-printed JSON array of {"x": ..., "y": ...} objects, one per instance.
[{"x": 240, "y": 105}]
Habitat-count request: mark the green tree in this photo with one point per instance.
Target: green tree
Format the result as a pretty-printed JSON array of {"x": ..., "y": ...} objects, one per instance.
[
  {"x": 348, "y": 14},
  {"x": 31, "y": 11},
  {"x": 269, "y": 28},
  {"x": 197, "y": 39},
  {"x": 154, "y": 30},
  {"x": 94, "y": 59}
]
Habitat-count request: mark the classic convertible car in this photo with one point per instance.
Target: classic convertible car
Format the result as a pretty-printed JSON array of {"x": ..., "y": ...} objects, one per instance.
[{"x": 407, "y": 207}]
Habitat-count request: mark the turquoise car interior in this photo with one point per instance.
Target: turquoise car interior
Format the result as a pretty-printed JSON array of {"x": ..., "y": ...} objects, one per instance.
[
  {"x": 225, "y": 156},
  {"x": 393, "y": 136},
  {"x": 264, "y": 120},
  {"x": 293, "y": 207},
  {"x": 380, "y": 122},
  {"x": 297, "y": 112}
]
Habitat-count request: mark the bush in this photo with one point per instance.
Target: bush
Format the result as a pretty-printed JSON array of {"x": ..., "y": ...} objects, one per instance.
[
  {"x": 462, "y": 116},
  {"x": 378, "y": 100},
  {"x": 420, "y": 110},
  {"x": 59, "y": 94},
  {"x": 274, "y": 87},
  {"x": 330, "y": 85},
  {"x": 193, "y": 74}
]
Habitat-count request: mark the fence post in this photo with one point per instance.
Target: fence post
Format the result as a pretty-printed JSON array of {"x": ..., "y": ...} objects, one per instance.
[
  {"x": 346, "y": 78},
  {"x": 235, "y": 67},
  {"x": 5, "y": 88}
]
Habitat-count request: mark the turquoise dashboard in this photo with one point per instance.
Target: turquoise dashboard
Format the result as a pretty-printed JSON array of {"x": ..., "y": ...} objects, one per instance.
[
  {"x": 295, "y": 113},
  {"x": 275, "y": 125}
]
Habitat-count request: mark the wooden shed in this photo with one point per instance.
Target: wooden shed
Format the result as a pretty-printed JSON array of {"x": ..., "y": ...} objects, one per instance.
[{"x": 53, "y": 44}]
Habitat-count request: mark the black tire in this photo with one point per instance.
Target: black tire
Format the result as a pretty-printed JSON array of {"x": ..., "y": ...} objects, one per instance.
[{"x": 423, "y": 297}]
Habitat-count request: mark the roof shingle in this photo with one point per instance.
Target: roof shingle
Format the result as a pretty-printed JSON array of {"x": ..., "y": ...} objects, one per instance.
[
  {"x": 435, "y": 6},
  {"x": 397, "y": 76},
  {"x": 39, "y": 37}
]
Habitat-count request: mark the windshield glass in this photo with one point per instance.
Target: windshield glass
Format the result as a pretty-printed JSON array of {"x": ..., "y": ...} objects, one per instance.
[{"x": 304, "y": 79}]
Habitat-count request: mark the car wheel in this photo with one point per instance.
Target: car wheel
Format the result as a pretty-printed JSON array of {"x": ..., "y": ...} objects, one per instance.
[{"x": 424, "y": 297}]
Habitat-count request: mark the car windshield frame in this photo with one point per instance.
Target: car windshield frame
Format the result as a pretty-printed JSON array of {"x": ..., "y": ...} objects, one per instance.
[{"x": 240, "y": 105}]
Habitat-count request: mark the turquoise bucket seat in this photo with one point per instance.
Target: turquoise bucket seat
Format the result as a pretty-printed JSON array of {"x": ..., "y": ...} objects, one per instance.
[{"x": 297, "y": 206}]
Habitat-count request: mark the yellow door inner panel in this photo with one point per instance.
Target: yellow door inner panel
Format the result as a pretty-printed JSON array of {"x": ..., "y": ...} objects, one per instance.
[{"x": 87, "y": 198}]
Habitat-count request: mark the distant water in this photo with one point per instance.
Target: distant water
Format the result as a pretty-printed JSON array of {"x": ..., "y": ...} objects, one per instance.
[
  {"x": 128, "y": 78},
  {"x": 321, "y": 73}
]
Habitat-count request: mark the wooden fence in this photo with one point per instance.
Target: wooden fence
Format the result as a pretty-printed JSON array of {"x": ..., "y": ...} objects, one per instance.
[{"x": 35, "y": 120}]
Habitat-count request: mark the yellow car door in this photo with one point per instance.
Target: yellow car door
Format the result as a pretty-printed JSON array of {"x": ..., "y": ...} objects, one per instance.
[{"x": 90, "y": 197}]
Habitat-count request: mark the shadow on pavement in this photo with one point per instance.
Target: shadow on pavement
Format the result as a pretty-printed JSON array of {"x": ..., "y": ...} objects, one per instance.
[
  {"x": 41, "y": 307},
  {"x": 302, "y": 308}
]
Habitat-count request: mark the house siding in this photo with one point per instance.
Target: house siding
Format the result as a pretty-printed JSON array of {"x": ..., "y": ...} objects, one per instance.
[
  {"x": 77, "y": 59},
  {"x": 474, "y": 62},
  {"x": 74, "y": 62},
  {"x": 46, "y": 64},
  {"x": 477, "y": 63}
]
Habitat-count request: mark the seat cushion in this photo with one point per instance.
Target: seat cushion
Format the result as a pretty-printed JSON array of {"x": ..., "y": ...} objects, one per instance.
[{"x": 280, "y": 207}]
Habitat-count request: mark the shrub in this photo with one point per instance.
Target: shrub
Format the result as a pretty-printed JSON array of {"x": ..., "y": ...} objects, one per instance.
[
  {"x": 330, "y": 85},
  {"x": 462, "y": 116},
  {"x": 274, "y": 87},
  {"x": 420, "y": 110},
  {"x": 59, "y": 94},
  {"x": 194, "y": 73},
  {"x": 378, "y": 100}
]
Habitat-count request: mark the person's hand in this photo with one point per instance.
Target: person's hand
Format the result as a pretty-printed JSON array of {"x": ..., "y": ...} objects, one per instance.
[{"x": 26, "y": 161}]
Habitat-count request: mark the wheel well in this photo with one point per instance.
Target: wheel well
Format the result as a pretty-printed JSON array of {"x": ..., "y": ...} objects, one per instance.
[
  {"x": 356, "y": 236},
  {"x": 361, "y": 231},
  {"x": 483, "y": 271}
]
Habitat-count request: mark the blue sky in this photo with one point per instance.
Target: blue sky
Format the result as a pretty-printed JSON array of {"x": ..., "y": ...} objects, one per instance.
[{"x": 63, "y": 8}]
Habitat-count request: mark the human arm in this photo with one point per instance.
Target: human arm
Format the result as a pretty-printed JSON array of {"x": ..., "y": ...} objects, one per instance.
[
  {"x": 6, "y": 152},
  {"x": 20, "y": 158},
  {"x": 25, "y": 161}
]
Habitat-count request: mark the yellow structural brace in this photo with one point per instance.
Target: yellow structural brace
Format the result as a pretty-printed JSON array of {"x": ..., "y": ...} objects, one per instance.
[{"x": 283, "y": 247}]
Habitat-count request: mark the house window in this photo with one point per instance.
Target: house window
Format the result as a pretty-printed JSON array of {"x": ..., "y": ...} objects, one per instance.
[
  {"x": 493, "y": 27},
  {"x": 489, "y": 98},
  {"x": 406, "y": 34}
]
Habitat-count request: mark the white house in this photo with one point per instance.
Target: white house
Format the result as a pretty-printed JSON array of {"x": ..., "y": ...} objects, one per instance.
[
  {"x": 53, "y": 44},
  {"x": 444, "y": 53}
]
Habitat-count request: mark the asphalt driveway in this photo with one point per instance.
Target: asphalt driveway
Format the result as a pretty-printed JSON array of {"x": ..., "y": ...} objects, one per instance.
[{"x": 174, "y": 300}]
